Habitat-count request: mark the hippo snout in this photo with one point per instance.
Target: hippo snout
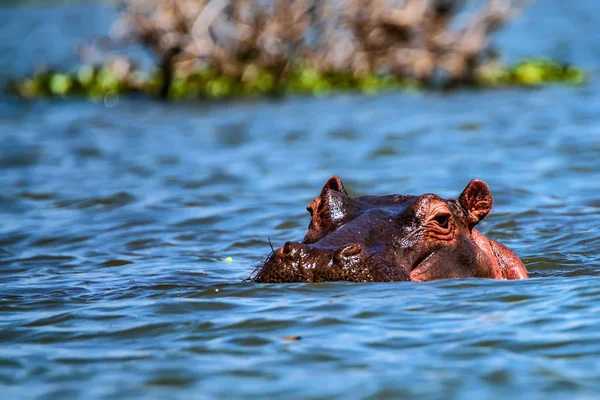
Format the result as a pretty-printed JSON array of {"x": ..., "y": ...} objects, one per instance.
[
  {"x": 294, "y": 262},
  {"x": 319, "y": 259},
  {"x": 300, "y": 262},
  {"x": 295, "y": 251}
]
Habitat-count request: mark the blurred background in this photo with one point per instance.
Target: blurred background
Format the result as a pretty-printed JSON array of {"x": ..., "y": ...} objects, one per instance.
[{"x": 127, "y": 224}]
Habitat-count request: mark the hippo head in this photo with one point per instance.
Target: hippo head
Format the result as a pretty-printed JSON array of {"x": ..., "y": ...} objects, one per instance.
[{"x": 386, "y": 238}]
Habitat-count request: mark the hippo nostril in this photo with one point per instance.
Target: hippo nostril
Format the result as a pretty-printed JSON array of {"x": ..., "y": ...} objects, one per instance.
[
  {"x": 349, "y": 251},
  {"x": 291, "y": 248},
  {"x": 288, "y": 248}
]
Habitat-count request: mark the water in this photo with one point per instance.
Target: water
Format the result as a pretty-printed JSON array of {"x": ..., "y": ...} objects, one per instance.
[{"x": 116, "y": 222}]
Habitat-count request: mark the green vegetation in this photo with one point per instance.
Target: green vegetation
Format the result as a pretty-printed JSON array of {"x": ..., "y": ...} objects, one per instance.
[
  {"x": 94, "y": 82},
  {"x": 249, "y": 48},
  {"x": 531, "y": 72},
  {"x": 97, "y": 82}
]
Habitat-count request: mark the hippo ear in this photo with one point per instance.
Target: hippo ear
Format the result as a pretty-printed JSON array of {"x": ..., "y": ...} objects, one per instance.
[
  {"x": 333, "y": 204},
  {"x": 334, "y": 183},
  {"x": 476, "y": 200},
  {"x": 336, "y": 206}
]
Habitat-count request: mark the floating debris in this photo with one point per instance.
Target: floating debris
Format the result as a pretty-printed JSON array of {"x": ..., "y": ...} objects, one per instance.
[{"x": 292, "y": 338}]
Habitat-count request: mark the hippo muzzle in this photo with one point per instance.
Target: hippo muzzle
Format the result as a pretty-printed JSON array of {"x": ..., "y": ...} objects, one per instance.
[{"x": 298, "y": 262}]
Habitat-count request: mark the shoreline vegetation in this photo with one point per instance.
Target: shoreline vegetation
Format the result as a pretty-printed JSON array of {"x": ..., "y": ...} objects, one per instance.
[{"x": 248, "y": 48}]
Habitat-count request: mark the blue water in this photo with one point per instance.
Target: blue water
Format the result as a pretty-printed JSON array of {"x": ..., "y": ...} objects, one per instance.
[{"x": 116, "y": 223}]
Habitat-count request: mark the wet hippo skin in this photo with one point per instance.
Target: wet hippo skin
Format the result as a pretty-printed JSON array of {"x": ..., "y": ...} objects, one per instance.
[{"x": 393, "y": 238}]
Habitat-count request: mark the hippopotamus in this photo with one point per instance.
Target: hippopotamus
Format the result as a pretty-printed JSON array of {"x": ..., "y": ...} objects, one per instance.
[{"x": 393, "y": 238}]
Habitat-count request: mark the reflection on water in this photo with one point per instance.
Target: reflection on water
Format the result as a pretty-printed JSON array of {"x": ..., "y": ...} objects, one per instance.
[{"x": 115, "y": 227}]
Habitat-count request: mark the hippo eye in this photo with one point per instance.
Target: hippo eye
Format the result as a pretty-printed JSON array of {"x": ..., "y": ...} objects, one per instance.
[{"x": 442, "y": 220}]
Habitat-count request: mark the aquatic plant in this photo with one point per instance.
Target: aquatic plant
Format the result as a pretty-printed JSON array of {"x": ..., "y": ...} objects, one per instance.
[
  {"x": 236, "y": 48},
  {"x": 100, "y": 81}
]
